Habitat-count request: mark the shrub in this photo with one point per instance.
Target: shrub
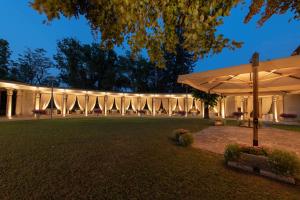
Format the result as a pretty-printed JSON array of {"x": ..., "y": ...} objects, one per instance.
[
  {"x": 183, "y": 137},
  {"x": 287, "y": 115},
  {"x": 232, "y": 152},
  {"x": 178, "y": 132},
  {"x": 283, "y": 162},
  {"x": 186, "y": 139},
  {"x": 260, "y": 151}
]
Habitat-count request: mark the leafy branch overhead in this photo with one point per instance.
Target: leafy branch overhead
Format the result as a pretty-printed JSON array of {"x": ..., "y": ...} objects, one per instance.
[
  {"x": 268, "y": 8},
  {"x": 150, "y": 24}
]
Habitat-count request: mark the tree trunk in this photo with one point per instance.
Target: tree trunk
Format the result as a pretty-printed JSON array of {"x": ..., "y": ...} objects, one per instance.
[{"x": 206, "y": 111}]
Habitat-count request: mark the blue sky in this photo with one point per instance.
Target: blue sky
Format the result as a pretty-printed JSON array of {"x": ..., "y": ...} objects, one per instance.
[{"x": 23, "y": 27}]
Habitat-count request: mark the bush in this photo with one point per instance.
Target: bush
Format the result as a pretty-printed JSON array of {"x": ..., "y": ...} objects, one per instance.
[
  {"x": 183, "y": 137},
  {"x": 186, "y": 139},
  {"x": 232, "y": 152},
  {"x": 178, "y": 132},
  {"x": 287, "y": 115},
  {"x": 283, "y": 162},
  {"x": 259, "y": 151}
]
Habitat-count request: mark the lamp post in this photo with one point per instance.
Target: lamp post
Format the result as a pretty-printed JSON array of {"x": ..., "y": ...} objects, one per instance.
[{"x": 255, "y": 64}]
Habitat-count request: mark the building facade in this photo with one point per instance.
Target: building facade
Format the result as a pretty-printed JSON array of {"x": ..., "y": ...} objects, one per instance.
[{"x": 22, "y": 100}]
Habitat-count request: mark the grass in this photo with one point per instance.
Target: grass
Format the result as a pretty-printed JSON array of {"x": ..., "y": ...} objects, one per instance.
[
  {"x": 114, "y": 158},
  {"x": 295, "y": 128}
]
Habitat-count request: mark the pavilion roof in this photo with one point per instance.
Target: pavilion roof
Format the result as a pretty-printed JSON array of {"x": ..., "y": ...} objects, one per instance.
[{"x": 275, "y": 76}]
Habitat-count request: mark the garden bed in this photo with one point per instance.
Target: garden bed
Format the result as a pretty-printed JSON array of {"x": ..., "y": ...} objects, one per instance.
[{"x": 275, "y": 164}]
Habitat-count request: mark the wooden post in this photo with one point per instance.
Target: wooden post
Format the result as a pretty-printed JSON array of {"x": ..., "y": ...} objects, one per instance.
[{"x": 255, "y": 64}]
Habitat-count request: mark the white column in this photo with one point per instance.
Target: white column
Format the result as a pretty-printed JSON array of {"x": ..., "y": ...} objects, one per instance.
[
  {"x": 223, "y": 108},
  {"x": 86, "y": 105},
  {"x": 275, "y": 114},
  {"x": 123, "y": 105},
  {"x": 37, "y": 100},
  {"x": 170, "y": 106},
  {"x": 105, "y": 105},
  {"x": 19, "y": 102},
  {"x": 64, "y": 105},
  {"x": 153, "y": 107},
  {"x": 186, "y": 106},
  {"x": 9, "y": 103},
  {"x": 242, "y": 107}
]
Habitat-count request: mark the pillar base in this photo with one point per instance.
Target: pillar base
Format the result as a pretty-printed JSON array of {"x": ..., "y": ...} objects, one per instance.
[{"x": 255, "y": 143}]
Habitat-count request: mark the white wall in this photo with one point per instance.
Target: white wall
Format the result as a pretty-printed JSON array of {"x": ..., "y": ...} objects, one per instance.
[{"x": 292, "y": 104}]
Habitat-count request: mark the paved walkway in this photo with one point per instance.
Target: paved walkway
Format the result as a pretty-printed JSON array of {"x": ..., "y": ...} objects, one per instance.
[{"x": 215, "y": 138}]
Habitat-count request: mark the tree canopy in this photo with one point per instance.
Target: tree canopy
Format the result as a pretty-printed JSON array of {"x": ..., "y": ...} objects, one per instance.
[
  {"x": 268, "y": 8},
  {"x": 150, "y": 24},
  {"x": 4, "y": 58},
  {"x": 210, "y": 100},
  {"x": 32, "y": 67},
  {"x": 90, "y": 67}
]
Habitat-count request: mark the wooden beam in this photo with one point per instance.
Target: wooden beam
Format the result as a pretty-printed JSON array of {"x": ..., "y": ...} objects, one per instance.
[{"x": 255, "y": 64}]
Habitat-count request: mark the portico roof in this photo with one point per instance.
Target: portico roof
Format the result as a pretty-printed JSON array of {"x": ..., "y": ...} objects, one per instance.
[{"x": 274, "y": 76}]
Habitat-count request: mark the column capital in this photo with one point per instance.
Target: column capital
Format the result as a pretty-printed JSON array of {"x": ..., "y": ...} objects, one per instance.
[
  {"x": 274, "y": 98},
  {"x": 9, "y": 91},
  {"x": 105, "y": 98}
]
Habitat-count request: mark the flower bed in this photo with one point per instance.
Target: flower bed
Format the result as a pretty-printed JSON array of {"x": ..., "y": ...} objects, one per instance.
[
  {"x": 288, "y": 117},
  {"x": 39, "y": 112},
  {"x": 277, "y": 164}
]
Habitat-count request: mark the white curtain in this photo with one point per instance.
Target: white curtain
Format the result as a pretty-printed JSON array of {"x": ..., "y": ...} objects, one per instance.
[
  {"x": 157, "y": 103},
  {"x": 45, "y": 100},
  {"x": 118, "y": 103},
  {"x": 143, "y": 102},
  {"x": 110, "y": 102},
  {"x": 134, "y": 103},
  {"x": 173, "y": 103},
  {"x": 198, "y": 104},
  {"x": 165, "y": 103},
  {"x": 127, "y": 103},
  {"x": 266, "y": 105},
  {"x": 190, "y": 103},
  {"x": 71, "y": 100},
  {"x": 58, "y": 99},
  {"x": 101, "y": 102},
  {"x": 181, "y": 104},
  {"x": 149, "y": 101},
  {"x": 92, "y": 103},
  {"x": 81, "y": 102}
]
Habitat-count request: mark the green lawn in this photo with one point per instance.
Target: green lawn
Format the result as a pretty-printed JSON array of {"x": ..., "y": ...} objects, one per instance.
[
  {"x": 287, "y": 127},
  {"x": 118, "y": 158}
]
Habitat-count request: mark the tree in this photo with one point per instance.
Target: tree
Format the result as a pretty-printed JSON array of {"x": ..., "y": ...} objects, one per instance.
[
  {"x": 140, "y": 73},
  {"x": 4, "y": 58},
  {"x": 178, "y": 63},
  {"x": 32, "y": 67},
  {"x": 150, "y": 24},
  {"x": 88, "y": 66},
  {"x": 268, "y": 8},
  {"x": 210, "y": 100},
  {"x": 70, "y": 62}
]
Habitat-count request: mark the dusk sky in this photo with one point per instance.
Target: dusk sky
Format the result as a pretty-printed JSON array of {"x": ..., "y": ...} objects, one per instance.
[{"x": 23, "y": 27}]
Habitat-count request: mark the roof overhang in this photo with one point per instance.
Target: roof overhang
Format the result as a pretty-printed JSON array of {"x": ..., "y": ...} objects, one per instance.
[{"x": 275, "y": 77}]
